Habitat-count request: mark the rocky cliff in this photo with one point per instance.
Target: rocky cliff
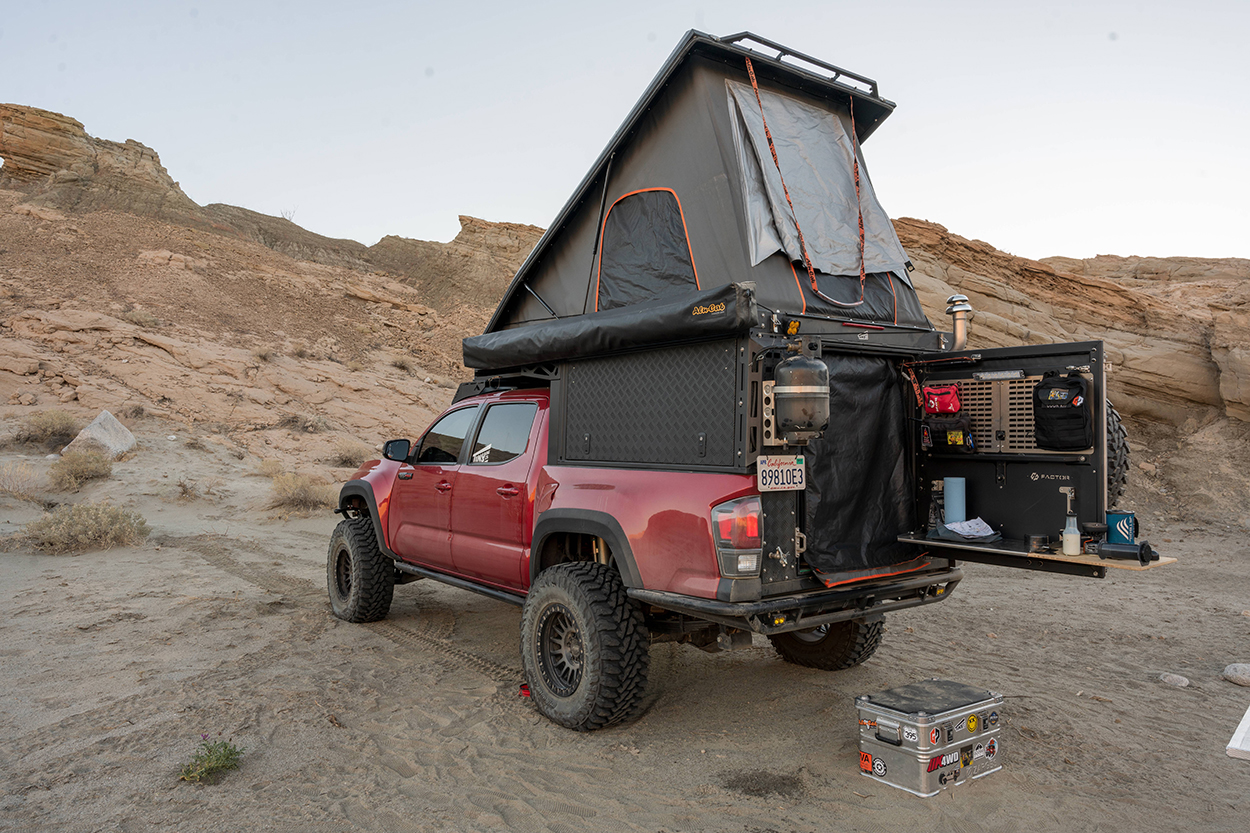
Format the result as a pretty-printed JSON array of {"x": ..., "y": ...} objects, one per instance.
[
  {"x": 59, "y": 167},
  {"x": 1175, "y": 327}
]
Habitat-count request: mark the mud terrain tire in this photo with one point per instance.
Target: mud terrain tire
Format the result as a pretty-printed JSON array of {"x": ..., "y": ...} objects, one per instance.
[
  {"x": 360, "y": 579},
  {"x": 1117, "y": 457},
  {"x": 831, "y": 647},
  {"x": 584, "y": 646}
]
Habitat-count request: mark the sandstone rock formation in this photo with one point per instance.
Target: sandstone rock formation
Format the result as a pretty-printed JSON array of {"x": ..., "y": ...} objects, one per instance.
[
  {"x": 1177, "y": 344},
  {"x": 51, "y": 158},
  {"x": 70, "y": 170}
]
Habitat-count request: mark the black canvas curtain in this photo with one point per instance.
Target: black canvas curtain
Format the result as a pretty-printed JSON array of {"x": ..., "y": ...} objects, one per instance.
[
  {"x": 859, "y": 489},
  {"x": 645, "y": 254}
]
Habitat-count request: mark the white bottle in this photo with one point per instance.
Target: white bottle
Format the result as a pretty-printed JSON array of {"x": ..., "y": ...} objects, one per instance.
[{"x": 1071, "y": 537}]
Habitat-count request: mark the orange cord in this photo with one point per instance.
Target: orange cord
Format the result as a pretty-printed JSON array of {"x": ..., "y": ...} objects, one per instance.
[{"x": 807, "y": 262}]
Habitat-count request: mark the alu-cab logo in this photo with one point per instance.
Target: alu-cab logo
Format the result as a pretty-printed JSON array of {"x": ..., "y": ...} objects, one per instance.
[{"x": 705, "y": 309}]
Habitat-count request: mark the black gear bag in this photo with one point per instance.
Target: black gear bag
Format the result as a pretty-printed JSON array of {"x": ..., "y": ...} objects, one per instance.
[{"x": 1062, "y": 413}]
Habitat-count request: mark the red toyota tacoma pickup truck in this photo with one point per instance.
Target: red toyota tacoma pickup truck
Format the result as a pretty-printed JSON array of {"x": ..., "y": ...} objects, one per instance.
[{"x": 604, "y": 561}]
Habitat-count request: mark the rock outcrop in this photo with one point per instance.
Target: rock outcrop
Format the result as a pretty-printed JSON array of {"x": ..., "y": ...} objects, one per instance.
[
  {"x": 65, "y": 169},
  {"x": 60, "y": 168},
  {"x": 1175, "y": 328},
  {"x": 479, "y": 263}
]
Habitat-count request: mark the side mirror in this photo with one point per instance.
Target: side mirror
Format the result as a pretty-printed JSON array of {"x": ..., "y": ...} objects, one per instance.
[{"x": 396, "y": 450}]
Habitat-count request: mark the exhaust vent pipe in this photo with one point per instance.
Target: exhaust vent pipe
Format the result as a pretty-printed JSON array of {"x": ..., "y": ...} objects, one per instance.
[{"x": 960, "y": 311}]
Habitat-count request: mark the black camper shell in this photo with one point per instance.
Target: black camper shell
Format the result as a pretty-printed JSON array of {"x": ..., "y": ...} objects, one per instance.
[{"x": 675, "y": 280}]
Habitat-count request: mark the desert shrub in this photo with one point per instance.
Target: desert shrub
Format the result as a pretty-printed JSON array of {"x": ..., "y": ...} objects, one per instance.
[
  {"x": 349, "y": 454},
  {"x": 402, "y": 364},
  {"x": 269, "y": 468},
  {"x": 86, "y": 526},
  {"x": 210, "y": 758},
  {"x": 18, "y": 480},
  {"x": 187, "y": 489},
  {"x": 300, "y": 350},
  {"x": 263, "y": 354},
  {"x": 301, "y": 493},
  {"x": 195, "y": 444},
  {"x": 355, "y": 366},
  {"x": 142, "y": 318},
  {"x": 133, "y": 412},
  {"x": 308, "y": 423},
  {"x": 48, "y": 427},
  {"x": 77, "y": 467}
]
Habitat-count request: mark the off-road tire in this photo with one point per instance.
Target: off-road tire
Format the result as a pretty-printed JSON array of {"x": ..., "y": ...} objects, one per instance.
[
  {"x": 585, "y": 648},
  {"x": 359, "y": 578},
  {"x": 830, "y": 647},
  {"x": 1117, "y": 457}
]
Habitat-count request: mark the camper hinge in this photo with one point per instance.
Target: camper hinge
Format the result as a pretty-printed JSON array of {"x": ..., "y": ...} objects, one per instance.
[
  {"x": 800, "y": 542},
  {"x": 1000, "y": 470}
]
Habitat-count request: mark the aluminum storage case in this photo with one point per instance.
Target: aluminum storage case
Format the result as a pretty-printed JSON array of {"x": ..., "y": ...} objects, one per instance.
[{"x": 931, "y": 735}]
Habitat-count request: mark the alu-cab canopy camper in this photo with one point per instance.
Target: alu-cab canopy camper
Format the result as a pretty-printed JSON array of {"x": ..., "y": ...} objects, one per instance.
[{"x": 730, "y": 225}]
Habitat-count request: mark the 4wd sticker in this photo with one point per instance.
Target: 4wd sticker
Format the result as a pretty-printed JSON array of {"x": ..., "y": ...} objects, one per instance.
[{"x": 939, "y": 761}]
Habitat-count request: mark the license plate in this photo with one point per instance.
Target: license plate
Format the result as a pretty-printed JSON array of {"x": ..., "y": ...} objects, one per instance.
[{"x": 778, "y": 473}]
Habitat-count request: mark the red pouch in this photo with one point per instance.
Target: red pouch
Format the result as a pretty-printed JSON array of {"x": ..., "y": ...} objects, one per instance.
[{"x": 941, "y": 399}]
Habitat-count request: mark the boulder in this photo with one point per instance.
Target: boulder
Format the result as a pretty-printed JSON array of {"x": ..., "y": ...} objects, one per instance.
[
  {"x": 106, "y": 433},
  {"x": 1238, "y": 672}
]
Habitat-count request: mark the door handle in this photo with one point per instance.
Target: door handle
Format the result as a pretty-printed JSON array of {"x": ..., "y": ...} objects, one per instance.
[
  {"x": 508, "y": 491},
  {"x": 444, "y": 486}
]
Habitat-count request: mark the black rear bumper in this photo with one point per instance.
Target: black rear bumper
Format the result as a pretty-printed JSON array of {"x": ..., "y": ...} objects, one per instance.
[{"x": 813, "y": 609}]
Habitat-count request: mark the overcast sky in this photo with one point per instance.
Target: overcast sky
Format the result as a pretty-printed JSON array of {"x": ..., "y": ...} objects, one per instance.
[{"x": 1073, "y": 128}]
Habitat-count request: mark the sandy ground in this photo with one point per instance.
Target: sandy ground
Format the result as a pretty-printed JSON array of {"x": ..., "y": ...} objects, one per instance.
[{"x": 113, "y": 664}]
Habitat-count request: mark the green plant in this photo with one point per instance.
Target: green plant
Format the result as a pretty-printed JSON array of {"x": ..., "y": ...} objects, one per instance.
[
  {"x": 301, "y": 493},
  {"x": 48, "y": 427},
  {"x": 212, "y": 757},
  {"x": 18, "y": 480},
  {"x": 86, "y": 526},
  {"x": 77, "y": 467}
]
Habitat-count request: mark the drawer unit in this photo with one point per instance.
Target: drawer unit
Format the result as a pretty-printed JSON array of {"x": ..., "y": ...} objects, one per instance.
[{"x": 930, "y": 735}]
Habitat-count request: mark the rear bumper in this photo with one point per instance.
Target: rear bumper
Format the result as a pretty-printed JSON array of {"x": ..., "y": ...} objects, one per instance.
[{"x": 810, "y": 610}]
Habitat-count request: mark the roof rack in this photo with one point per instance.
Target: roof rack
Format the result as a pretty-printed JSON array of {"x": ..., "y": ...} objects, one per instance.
[{"x": 839, "y": 74}]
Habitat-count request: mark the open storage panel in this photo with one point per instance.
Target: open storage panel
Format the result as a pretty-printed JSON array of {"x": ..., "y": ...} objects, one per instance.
[{"x": 1016, "y": 486}]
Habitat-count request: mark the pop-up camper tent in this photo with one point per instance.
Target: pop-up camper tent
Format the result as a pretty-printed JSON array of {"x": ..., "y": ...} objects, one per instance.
[
  {"x": 689, "y": 198},
  {"x": 729, "y": 224}
]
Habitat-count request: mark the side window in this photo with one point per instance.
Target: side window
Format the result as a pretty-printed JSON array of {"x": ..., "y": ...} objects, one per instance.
[
  {"x": 443, "y": 441},
  {"x": 504, "y": 434}
]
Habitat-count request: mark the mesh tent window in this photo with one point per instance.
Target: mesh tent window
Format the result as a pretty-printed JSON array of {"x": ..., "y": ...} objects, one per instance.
[{"x": 644, "y": 253}]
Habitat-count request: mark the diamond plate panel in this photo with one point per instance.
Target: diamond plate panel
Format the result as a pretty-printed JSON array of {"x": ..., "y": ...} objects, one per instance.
[{"x": 674, "y": 406}]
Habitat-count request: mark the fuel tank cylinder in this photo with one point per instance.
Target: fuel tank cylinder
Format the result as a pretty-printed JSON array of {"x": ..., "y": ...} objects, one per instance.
[{"x": 801, "y": 393}]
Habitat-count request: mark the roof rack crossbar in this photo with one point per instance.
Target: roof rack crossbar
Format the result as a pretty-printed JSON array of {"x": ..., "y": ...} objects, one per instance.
[{"x": 785, "y": 51}]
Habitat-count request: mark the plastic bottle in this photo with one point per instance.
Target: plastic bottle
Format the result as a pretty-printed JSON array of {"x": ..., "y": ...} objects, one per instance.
[{"x": 1071, "y": 537}]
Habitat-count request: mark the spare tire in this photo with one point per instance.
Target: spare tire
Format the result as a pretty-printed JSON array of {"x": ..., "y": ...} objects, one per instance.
[{"x": 1117, "y": 456}]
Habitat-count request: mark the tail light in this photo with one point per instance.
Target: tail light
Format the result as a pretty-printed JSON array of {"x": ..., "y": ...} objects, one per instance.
[{"x": 736, "y": 526}]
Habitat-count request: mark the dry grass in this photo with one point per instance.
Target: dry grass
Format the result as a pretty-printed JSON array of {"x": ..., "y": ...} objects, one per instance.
[
  {"x": 18, "y": 480},
  {"x": 188, "y": 489},
  {"x": 77, "y": 467},
  {"x": 402, "y": 364},
  {"x": 195, "y": 444},
  {"x": 86, "y": 526},
  {"x": 307, "y": 423},
  {"x": 143, "y": 318},
  {"x": 301, "y": 493},
  {"x": 48, "y": 427},
  {"x": 350, "y": 454},
  {"x": 269, "y": 468},
  {"x": 264, "y": 354}
]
